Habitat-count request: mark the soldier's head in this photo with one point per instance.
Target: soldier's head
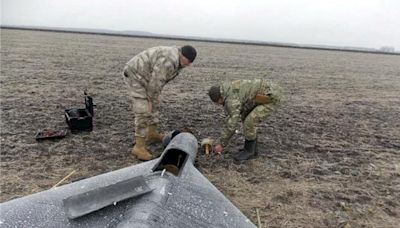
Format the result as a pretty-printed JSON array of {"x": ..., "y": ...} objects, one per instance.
[
  {"x": 188, "y": 54},
  {"x": 215, "y": 95}
]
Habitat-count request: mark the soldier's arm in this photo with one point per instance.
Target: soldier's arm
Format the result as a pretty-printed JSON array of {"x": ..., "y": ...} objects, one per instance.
[
  {"x": 158, "y": 78},
  {"x": 233, "y": 107}
]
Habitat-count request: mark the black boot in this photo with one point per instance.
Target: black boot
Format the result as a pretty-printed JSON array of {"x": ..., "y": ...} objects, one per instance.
[{"x": 249, "y": 151}]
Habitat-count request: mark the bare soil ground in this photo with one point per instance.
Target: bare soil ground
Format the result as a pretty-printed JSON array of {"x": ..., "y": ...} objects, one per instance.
[{"x": 329, "y": 156}]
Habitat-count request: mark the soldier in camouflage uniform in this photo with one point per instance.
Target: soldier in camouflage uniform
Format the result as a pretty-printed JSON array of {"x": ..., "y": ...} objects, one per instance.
[
  {"x": 146, "y": 74},
  {"x": 246, "y": 101}
]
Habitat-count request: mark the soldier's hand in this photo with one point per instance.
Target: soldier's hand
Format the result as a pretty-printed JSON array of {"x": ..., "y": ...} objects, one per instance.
[{"x": 218, "y": 148}]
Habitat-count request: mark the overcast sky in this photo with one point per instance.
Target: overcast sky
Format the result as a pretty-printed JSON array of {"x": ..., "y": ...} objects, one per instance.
[{"x": 359, "y": 23}]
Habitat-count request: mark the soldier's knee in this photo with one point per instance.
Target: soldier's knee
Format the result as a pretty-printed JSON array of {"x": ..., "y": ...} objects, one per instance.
[
  {"x": 143, "y": 117},
  {"x": 140, "y": 106},
  {"x": 262, "y": 111}
]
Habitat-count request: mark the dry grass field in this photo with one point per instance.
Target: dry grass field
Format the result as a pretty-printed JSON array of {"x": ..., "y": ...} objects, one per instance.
[{"x": 328, "y": 157}]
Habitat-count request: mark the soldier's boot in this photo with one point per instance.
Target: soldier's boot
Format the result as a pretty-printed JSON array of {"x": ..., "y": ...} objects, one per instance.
[
  {"x": 152, "y": 135},
  {"x": 139, "y": 150},
  {"x": 249, "y": 151}
]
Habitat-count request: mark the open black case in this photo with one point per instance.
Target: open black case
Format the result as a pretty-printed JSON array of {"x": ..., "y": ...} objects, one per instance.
[{"x": 80, "y": 119}]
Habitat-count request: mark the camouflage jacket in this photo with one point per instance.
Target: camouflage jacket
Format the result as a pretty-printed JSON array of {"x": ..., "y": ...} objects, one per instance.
[
  {"x": 239, "y": 100},
  {"x": 154, "y": 67}
]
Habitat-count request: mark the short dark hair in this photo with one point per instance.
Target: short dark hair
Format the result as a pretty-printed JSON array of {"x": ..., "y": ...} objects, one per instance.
[
  {"x": 215, "y": 93},
  {"x": 189, "y": 52}
]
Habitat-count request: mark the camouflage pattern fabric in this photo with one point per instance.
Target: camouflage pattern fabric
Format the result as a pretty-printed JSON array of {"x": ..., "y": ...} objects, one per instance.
[
  {"x": 240, "y": 106},
  {"x": 146, "y": 74},
  {"x": 144, "y": 118},
  {"x": 152, "y": 69},
  {"x": 256, "y": 116}
]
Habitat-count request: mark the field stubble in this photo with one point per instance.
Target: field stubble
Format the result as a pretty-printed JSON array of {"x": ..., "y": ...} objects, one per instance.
[{"x": 328, "y": 157}]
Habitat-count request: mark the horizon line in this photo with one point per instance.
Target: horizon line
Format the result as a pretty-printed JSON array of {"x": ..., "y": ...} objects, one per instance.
[{"x": 141, "y": 34}]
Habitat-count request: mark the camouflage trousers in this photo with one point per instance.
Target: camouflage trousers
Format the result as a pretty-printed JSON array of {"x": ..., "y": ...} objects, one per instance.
[
  {"x": 253, "y": 114},
  {"x": 143, "y": 118},
  {"x": 253, "y": 117}
]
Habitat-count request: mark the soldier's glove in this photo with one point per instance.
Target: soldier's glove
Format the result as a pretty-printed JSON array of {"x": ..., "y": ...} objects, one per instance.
[{"x": 218, "y": 148}]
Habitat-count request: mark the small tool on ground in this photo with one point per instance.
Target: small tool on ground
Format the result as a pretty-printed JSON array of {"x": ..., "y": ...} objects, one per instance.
[{"x": 207, "y": 145}]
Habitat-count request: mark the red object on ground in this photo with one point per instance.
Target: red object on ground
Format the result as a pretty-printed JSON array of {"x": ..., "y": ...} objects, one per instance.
[{"x": 50, "y": 134}]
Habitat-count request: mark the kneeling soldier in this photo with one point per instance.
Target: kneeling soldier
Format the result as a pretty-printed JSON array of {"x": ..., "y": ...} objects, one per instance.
[{"x": 246, "y": 101}]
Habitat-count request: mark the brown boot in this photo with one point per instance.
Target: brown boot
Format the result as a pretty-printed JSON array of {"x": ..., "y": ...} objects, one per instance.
[
  {"x": 153, "y": 135},
  {"x": 139, "y": 150}
]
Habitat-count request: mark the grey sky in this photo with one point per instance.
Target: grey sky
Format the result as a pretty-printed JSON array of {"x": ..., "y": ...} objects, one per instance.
[{"x": 360, "y": 23}]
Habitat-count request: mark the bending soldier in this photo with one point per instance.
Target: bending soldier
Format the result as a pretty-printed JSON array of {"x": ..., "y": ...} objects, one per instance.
[
  {"x": 246, "y": 101},
  {"x": 146, "y": 74}
]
